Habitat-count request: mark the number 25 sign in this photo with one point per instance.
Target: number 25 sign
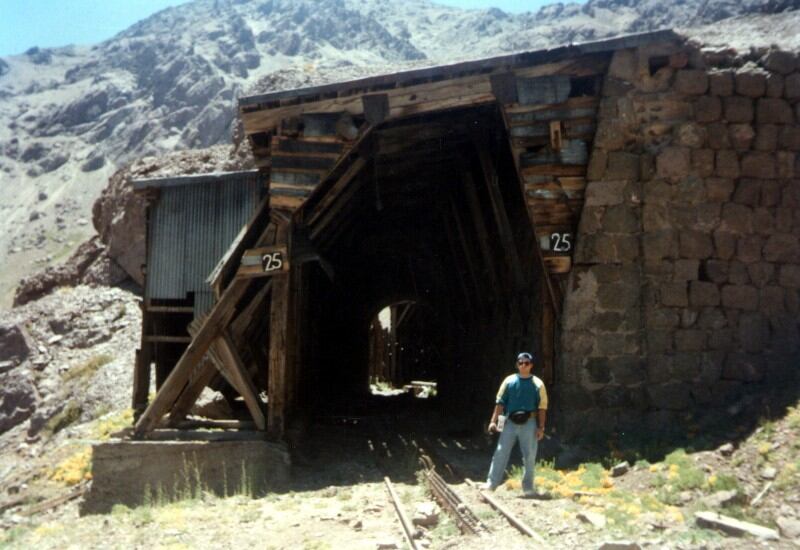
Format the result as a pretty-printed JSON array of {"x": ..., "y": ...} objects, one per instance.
[{"x": 264, "y": 262}]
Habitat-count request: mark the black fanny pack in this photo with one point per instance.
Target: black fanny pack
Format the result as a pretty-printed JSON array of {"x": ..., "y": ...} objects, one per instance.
[{"x": 519, "y": 417}]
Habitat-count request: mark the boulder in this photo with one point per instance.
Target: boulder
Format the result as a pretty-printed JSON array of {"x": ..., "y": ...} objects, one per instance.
[
  {"x": 15, "y": 344},
  {"x": 17, "y": 399}
]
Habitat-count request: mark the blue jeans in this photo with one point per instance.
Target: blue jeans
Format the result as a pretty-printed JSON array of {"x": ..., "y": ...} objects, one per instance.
[{"x": 526, "y": 433}]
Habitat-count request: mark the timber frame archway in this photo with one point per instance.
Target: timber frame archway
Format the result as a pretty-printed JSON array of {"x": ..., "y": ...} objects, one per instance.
[{"x": 486, "y": 159}]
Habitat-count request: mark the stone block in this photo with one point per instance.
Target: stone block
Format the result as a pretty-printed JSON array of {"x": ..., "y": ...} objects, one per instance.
[
  {"x": 674, "y": 294},
  {"x": 748, "y": 192},
  {"x": 758, "y": 164},
  {"x": 743, "y": 367},
  {"x": 789, "y": 137},
  {"x": 779, "y": 61},
  {"x": 770, "y": 110},
  {"x": 659, "y": 191},
  {"x": 624, "y": 65},
  {"x": 737, "y": 109},
  {"x": 691, "y": 82},
  {"x": 785, "y": 164},
  {"x": 622, "y": 166},
  {"x": 703, "y": 162},
  {"x": 707, "y": 109},
  {"x": 711, "y": 366},
  {"x": 751, "y": 81},
  {"x": 691, "y": 190},
  {"x": 719, "y": 189},
  {"x": 791, "y": 86},
  {"x": 612, "y": 134},
  {"x": 628, "y": 369},
  {"x": 724, "y": 244},
  {"x": 716, "y": 270},
  {"x": 770, "y": 193},
  {"x": 721, "y": 83},
  {"x": 720, "y": 339},
  {"x": 621, "y": 218},
  {"x": 647, "y": 167},
  {"x": 689, "y": 317},
  {"x": 659, "y": 368},
  {"x": 784, "y": 218},
  {"x": 617, "y": 344},
  {"x": 659, "y": 341},
  {"x": 605, "y": 193},
  {"x": 673, "y": 396},
  {"x": 782, "y": 248},
  {"x": 598, "y": 371},
  {"x": 665, "y": 318},
  {"x": 708, "y": 216},
  {"x": 690, "y": 340},
  {"x": 718, "y": 136},
  {"x": 134, "y": 472},
  {"x": 711, "y": 318},
  {"x": 792, "y": 301},
  {"x": 703, "y": 294},
  {"x": 775, "y": 84},
  {"x": 789, "y": 276},
  {"x": 748, "y": 249},
  {"x": 741, "y": 136},
  {"x": 597, "y": 165},
  {"x": 740, "y": 297},
  {"x": 761, "y": 273},
  {"x": 763, "y": 221},
  {"x": 659, "y": 244},
  {"x": 691, "y": 134},
  {"x": 766, "y": 137},
  {"x": 737, "y": 273},
  {"x": 727, "y": 164},
  {"x": 736, "y": 218},
  {"x": 772, "y": 299},
  {"x": 686, "y": 270},
  {"x": 790, "y": 195},
  {"x": 612, "y": 397},
  {"x": 696, "y": 245},
  {"x": 674, "y": 163},
  {"x": 752, "y": 332}
]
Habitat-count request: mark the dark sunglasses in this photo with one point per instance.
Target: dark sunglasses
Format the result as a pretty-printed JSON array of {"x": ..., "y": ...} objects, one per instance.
[{"x": 523, "y": 362}]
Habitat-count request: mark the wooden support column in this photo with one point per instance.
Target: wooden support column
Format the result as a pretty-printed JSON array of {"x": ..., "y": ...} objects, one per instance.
[
  {"x": 490, "y": 178},
  {"x": 241, "y": 379},
  {"x": 279, "y": 330},
  {"x": 141, "y": 369},
  {"x": 203, "y": 376}
]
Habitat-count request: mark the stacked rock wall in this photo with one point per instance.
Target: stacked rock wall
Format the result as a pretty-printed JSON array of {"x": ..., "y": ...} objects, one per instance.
[{"x": 683, "y": 299}]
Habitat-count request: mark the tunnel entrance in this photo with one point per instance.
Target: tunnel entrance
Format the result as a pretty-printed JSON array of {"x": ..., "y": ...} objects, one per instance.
[
  {"x": 403, "y": 351},
  {"x": 434, "y": 227}
]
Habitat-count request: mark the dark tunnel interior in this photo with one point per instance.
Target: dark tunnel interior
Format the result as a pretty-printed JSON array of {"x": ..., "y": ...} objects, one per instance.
[{"x": 425, "y": 222}]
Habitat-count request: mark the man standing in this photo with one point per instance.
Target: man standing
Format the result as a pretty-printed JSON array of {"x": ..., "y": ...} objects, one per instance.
[{"x": 522, "y": 398}]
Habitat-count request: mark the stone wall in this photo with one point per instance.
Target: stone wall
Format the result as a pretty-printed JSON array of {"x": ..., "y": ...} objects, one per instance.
[{"x": 683, "y": 299}]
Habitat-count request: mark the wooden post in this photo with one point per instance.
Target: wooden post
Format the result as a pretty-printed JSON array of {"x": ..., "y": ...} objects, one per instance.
[
  {"x": 242, "y": 381},
  {"x": 278, "y": 346}
]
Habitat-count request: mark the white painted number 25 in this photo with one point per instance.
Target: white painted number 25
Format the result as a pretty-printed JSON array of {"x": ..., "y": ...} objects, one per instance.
[
  {"x": 272, "y": 261},
  {"x": 561, "y": 242}
]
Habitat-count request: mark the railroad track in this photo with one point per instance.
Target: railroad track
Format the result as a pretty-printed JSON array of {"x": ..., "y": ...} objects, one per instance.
[{"x": 388, "y": 455}]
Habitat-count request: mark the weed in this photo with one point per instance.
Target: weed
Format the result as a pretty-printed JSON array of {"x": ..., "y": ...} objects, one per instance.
[
  {"x": 73, "y": 470},
  {"x": 119, "y": 510},
  {"x": 87, "y": 369},
  {"x": 68, "y": 415}
]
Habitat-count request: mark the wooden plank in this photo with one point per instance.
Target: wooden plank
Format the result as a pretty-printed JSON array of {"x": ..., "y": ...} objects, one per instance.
[
  {"x": 218, "y": 317},
  {"x": 141, "y": 380},
  {"x": 490, "y": 178},
  {"x": 264, "y": 261},
  {"x": 169, "y": 309},
  {"x": 558, "y": 264},
  {"x": 200, "y": 378},
  {"x": 403, "y": 101},
  {"x": 284, "y": 202},
  {"x": 278, "y": 347},
  {"x": 553, "y": 170},
  {"x": 242, "y": 381},
  {"x": 165, "y": 339},
  {"x": 325, "y": 211},
  {"x": 203, "y": 435},
  {"x": 480, "y": 228}
]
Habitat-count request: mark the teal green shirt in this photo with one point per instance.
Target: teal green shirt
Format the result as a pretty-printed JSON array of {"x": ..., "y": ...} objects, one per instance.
[{"x": 522, "y": 394}]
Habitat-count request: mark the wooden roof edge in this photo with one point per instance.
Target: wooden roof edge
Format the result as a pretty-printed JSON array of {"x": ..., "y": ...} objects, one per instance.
[
  {"x": 524, "y": 58},
  {"x": 191, "y": 179}
]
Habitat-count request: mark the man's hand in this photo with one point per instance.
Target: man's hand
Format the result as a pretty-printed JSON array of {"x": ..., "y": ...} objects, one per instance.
[
  {"x": 539, "y": 434},
  {"x": 492, "y": 427}
]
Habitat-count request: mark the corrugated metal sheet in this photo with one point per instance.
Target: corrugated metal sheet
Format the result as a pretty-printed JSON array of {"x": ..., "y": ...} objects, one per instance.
[{"x": 191, "y": 227}]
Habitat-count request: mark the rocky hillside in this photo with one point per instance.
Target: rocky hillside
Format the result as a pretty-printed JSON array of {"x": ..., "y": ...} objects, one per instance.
[{"x": 69, "y": 117}]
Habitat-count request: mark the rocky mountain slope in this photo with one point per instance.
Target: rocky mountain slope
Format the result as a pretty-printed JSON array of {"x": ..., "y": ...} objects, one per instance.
[{"x": 69, "y": 117}]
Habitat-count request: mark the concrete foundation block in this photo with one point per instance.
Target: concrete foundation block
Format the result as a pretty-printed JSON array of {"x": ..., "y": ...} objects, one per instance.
[{"x": 140, "y": 472}]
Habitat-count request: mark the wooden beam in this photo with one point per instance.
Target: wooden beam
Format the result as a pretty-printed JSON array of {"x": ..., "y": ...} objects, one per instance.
[
  {"x": 490, "y": 179},
  {"x": 166, "y": 339},
  {"x": 242, "y": 381},
  {"x": 336, "y": 191},
  {"x": 278, "y": 347},
  {"x": 480, "y": 228}
]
